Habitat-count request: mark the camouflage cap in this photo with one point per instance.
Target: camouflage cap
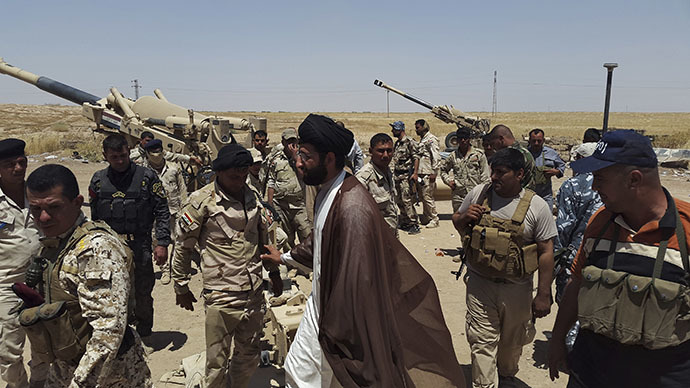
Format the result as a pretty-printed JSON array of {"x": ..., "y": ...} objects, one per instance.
[{"x": 289, "y": 133}]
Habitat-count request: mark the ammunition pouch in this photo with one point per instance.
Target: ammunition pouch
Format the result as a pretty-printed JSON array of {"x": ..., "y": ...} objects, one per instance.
[
  {"x": 634, "y": 310},
  {"x": 539, "y": 178},
  {"x": 57, "y": 331},
  {"x": 495, "y": 247},
  {"x": 496, "y": 254}
]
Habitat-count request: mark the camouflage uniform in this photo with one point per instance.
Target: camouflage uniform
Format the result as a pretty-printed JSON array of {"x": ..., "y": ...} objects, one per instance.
[
  {"x": 265, "y": 164},
  {"x": 254, "y": 183},
  {"x": 153, "y": 204},
  {"x": 468, "y": 171},
  {"x": 230, "y": 235},
  {"x": 380, "y": 185},
  {"x": 528, "y": 181},
  {"x": 96, "y": 272},
  {"x": 18, "y": 243},
  {"x": 576, "y": 203},
  {"x": 138, "y": 156},
  {"x": 428, "y": 152},
  {"x": 288, "y": 197},
  {"x": 404, "y": 155},
  {"x": 176, "y": 190}
]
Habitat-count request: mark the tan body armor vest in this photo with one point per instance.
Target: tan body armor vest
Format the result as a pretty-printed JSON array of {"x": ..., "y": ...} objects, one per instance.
[
  {"x": 56, "y": 328},
  {"x": 636, "y": 310},
  {"x": 495, "y": 247}
]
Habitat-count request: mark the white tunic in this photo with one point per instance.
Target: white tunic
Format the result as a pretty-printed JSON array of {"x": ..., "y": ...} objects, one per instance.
[{"x": 305, "y": 364}]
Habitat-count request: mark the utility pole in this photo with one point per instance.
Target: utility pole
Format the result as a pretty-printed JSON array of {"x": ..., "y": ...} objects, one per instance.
[
  {"x": 388, "y": 103},
  {"x": 494, "y": 108},
  {"x": 609, "y": 77},
  {"x": 136, "y": 87}
]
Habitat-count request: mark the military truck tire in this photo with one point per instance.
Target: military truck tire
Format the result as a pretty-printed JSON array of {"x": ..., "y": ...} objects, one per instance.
[{"x": 452, "y": 140}]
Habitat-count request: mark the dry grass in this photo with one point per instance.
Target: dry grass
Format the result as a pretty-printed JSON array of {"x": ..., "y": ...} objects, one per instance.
[{"x": 62, "y": 129}]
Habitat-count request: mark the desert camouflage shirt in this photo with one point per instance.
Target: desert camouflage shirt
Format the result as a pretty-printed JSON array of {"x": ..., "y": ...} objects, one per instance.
[
  {"x": 96, "y": 272},
  {"x": 404, "y": 155},
  {"x": 468, "y": 171},
  {"x": 230, "y": 235},
  {"x": 282, "y": 177},
  {"x": 263, "y": 172},
  {"x": 175, "y": 187},
  {"x": 380, "y": 185},
  {"x": 138, "y": 155},
  {"x": 576, "y": 203},
  {"x": 254, "y": 183},
  {"x": 18, "y": 243},
  {"x": 429, "y": 155}
]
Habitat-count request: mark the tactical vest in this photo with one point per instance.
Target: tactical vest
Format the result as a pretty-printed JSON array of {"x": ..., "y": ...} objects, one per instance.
[
  {"x": 128, "y": 212},
  {"x": 540, "y": 178},
  {"x": 495, "y": 247},
  {"x": 632, "y": 309},
  {"x": 57, "y": 329}
]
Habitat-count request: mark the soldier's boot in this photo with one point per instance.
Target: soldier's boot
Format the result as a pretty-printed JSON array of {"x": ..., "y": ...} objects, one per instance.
[
  {"x": 414, "y": 229},
  {"x": 432, "y": 224}
]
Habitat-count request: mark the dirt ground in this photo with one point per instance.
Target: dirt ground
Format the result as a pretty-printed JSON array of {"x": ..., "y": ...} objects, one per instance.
[{"x": 179, "y": 333}]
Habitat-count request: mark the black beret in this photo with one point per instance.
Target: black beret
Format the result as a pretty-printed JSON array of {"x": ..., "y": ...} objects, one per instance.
[
  {"x": 10, "y": 148},
  {"x": 232, "y": 156},
  {"x": 153, "y": 144},
  {"x": 463, "y": 133}
]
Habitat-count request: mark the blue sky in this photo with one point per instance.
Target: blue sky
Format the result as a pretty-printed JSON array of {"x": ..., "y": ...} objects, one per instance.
[{"x": 324, "y": 55}]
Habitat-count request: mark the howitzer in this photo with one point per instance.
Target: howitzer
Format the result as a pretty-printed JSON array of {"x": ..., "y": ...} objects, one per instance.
[
  {"x": 447, "y": 114},
  {"x": 180, "y": 129}
]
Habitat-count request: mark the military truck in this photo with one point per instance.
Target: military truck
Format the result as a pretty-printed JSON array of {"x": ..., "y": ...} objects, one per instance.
[
  {"x": 180, "y": 129},
  {"x": 447, "y": 114}
]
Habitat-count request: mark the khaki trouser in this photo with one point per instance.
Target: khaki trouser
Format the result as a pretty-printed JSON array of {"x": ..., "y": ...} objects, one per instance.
[
  {"x": 171, "y": 248},
  {"x": 295, "y": 221},
  {"x": 12, "y": 339},
  {"x": 225, "y": 323},
  {"x": 457, "y": 198},
  {"x": 405, "y": 201},
  {"x": 427, "y": 190},
  {"x": 498, "y": 325},
  {"x": 11, "y": 344}
]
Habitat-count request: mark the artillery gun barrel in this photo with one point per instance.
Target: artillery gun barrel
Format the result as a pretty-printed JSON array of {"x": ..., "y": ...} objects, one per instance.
[
  {"x": 410, "y": 97},
  {"x": 49, "y": 85},
  {"x": 122, "y": 103},
  {"x": 160, "y": 95}
]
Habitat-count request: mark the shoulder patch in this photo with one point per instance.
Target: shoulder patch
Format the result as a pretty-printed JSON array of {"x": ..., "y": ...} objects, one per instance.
[{"x": 157, "y": 188}]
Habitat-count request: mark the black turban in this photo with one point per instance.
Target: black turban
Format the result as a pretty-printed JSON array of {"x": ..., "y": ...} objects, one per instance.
[
  {"x": 232, "y": 156},
  {"x": 10, "y": 148},
  {"x": 325, "y": 135}
]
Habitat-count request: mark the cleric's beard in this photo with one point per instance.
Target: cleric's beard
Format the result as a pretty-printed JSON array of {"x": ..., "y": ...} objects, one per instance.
[{"x": 316, "y": 175}]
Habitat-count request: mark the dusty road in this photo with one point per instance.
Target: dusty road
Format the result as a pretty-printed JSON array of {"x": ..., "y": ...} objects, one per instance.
[{"x": 179, "y": 333}]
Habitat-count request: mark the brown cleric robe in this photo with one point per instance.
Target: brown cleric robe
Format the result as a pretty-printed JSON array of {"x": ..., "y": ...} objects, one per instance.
[{"x": 380, "y": 323}]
